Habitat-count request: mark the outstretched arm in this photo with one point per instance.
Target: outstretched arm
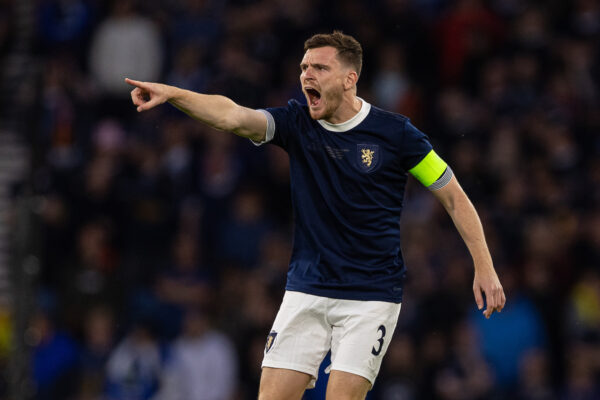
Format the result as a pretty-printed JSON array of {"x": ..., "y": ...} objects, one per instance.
[
  {"x": 466, "y": 220},
  {"x": 216, "y": 111}
]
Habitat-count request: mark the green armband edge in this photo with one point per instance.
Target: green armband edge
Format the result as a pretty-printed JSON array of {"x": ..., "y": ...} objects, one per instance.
[{"x": 429, "y": 169}]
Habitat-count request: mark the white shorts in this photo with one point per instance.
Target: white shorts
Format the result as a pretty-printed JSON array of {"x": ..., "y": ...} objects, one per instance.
[{"x": 307, "y": 327}]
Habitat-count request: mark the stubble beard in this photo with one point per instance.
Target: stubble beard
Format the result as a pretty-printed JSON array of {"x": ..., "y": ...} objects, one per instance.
[{"x": 330, "y": 104}]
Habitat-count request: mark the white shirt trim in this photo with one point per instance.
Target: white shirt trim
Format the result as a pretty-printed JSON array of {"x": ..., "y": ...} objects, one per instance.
[
  {"x": 351, "y": 123},
  {"x": 342, "y": 127},
  {"x": 270, "y": 132}
]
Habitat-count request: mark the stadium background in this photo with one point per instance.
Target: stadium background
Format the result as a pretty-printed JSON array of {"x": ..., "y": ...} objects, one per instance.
[{"x": 144, "y": 255}]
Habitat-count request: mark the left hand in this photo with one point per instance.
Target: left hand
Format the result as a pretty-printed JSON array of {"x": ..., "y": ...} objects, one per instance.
[{"x": 487, "y": 281}]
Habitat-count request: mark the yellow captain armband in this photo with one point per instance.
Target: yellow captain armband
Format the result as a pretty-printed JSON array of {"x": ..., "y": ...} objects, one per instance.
[{"x": 432, "y": 171}]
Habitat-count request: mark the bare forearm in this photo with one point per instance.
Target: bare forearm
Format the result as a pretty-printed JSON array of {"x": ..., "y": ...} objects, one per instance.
[
  {"x": 216, "y": 111},
  {"x": 466, "y": 220},
  {"x": 469, "y": 226},
  {"x": 213, "y": 110}
]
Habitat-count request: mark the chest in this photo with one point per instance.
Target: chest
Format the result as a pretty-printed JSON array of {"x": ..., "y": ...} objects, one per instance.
[{"x": 356, "y": 155}]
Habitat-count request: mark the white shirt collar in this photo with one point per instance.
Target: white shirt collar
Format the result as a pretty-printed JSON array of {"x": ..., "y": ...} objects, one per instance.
[{"x": 351, "y": 123}]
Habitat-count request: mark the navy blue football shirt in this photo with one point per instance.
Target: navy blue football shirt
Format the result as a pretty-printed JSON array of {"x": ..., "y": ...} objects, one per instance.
[{"x": 347, "y": 185}]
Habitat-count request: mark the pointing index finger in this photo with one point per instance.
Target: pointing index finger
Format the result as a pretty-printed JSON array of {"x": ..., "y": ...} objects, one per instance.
[{"x": 135, "y": 83}]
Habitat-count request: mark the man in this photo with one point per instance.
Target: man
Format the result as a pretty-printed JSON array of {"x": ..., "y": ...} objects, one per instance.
[{"x": 348, "y": 167}]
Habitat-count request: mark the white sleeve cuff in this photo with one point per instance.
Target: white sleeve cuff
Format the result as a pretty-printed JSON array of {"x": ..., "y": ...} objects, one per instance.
[{"x": 270, "y": 133}]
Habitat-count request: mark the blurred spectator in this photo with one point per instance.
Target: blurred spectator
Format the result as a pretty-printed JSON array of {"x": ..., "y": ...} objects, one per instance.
[
  {"x": 584, "y": 308},
  {"x": 581, "y": 374},
  {"x": 125, "y": 44},
  {"x": 243, "y": 230},
  {"x": 57, "y": 136},
  {"x": 465, "y": 374},
  {"x": 6, "y": 338},
  {"x": 98, "y": 342},
  {"x": 134, "y": 367},
  {"x": 530, "y": 29},
  {"x": 196, "y": 23},
  {"x": 399, "y": 377},
  {"x": 519, "y": 328},
  {"x": 92, "y": 275},
  {"x": 189, "y": 71},
  {"x": 508, "y": 91},
  {"x": 391, "y": 85},
  {"x": 65, "y": 24},
  {"x": 467, "y": 32},
  {"x": 239, "y": 76},
  {"x": 458, "y": 114},
  {"x": 5, "y": 331},
  {"x": 177, "y": 159},
  {"x": 220, "y": 167},
  {"x": 185, "y": 283},
  {"x": 109, "y": 139},
  {"x": 535, "y": 380},
  {"x": 55, "y": 358},
  {"x": 202, "y": 363},
  {"x": 434, "y": 351},
  {"x": 146, "y": 213},
  {"x": 585, "y": 18},
  {"x": 57, "y": 228},
  {"x": 274, "y": 255}
]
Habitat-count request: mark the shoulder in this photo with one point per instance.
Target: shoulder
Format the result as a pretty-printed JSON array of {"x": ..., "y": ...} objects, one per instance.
[
  {"x": 293, "y": 115},
  {"x": 295, "y": 106},
  {"x": 387, "y": 123},
  {"x": 387, "y": 118}
]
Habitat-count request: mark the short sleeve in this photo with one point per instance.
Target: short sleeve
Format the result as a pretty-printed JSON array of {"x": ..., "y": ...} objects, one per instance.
[
  {"x": 422, "y": 161},
  {"x": 270, "y": 132},
  {"x": 281, "y": 124},
  {"x": 415, "y": 146}
]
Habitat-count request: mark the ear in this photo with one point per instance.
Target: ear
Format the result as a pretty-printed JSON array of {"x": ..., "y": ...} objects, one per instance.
[{"x": 350, "y": 80}]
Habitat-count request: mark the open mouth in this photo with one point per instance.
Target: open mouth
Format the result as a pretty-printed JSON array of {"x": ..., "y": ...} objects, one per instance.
[{"x": 314, "y": 97}]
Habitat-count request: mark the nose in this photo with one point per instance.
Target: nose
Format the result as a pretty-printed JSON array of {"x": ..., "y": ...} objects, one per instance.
[{"x": 307, "y": 74}]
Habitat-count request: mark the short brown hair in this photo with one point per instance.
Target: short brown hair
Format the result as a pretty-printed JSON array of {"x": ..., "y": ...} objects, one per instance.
[{"x": 348, "y": 49}]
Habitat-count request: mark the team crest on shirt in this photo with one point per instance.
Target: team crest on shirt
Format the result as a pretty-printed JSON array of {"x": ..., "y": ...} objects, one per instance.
[
  {"x": 270, "y": 341},
  {"x": 368, "y": 156}
]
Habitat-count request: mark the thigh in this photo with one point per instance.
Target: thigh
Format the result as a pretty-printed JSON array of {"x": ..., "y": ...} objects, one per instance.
[
  {"x": 278, "y": 383},
  {"x": 361, "y": 335},
  {"x": 300, "y": 336},
  {"x": 347, "y": 386}
]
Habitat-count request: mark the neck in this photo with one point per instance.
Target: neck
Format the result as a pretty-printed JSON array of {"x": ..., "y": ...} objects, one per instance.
[{"x": 349, "y": 107}]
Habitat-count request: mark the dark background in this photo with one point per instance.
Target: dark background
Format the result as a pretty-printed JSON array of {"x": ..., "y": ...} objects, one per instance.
[{"x": 144, "y": 255}]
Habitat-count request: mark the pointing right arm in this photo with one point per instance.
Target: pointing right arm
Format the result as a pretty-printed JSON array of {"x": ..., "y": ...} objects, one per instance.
[{"x": 216, "y": 111}]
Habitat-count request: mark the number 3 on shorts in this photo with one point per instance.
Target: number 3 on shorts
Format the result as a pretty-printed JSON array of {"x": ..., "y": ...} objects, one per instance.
[{"x": 379, "y": 345}]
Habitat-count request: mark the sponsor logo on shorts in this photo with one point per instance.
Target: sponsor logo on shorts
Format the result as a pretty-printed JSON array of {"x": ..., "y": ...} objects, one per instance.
[{"x": 270, "y": 341}]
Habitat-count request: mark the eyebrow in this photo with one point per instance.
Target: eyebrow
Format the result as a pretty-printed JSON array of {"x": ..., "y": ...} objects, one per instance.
[{"x": 316, "y": 65}]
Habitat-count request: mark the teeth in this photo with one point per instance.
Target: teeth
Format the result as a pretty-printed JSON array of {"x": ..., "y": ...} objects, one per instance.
[{"x": 313, "y": 95}]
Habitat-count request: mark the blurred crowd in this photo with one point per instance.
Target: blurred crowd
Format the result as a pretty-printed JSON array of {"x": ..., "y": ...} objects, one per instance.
[{"x": 165, "y": 244}]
